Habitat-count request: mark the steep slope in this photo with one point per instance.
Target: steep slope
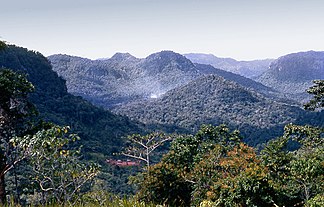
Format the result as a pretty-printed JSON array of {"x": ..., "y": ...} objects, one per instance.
[
  {"x": 249, "y": 69},
  {"x": 292, "y": 74},
  {"x": 123, "y": 78},
  {"x": 212, "y": 99},
  {"x": 246, "y": 82},
  {"x": 100, "y": 130}
]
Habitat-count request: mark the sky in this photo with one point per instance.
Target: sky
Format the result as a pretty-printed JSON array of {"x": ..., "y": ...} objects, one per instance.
[{"x": 241, "y": 29}]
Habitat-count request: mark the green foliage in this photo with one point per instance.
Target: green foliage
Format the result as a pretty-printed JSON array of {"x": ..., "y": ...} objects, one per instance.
[
  {"x": 316, "y": 201},
  {"x": 296, "y": 175},
  {"x": 213, "y": 168},
  {"x": 15, "y": 110},
  {"x": 318, "y": 92},
  {"x": 214, "y": 100},
  {"x": 14, "y": 89},
  {"x": 172, "y": 180},
  {"x": 242, "y": 180},
  {"x": 96, "y": 199},
  {"x": 55, "y": 174},
  {"x": 54, "y": 170},
  {"x": 101, "y": 131},
  {"x": 2, "y": 45}
]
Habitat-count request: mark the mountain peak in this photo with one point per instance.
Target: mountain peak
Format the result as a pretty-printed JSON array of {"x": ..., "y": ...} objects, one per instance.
[
  {"x": 166, "y": 54},
  {"x": 248, "y": 69},
  {"x": 299, "y": 66},
  {"x": 122, "y": 56}
]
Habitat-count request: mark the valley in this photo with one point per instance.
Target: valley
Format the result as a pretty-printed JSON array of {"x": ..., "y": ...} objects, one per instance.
[
  {"x": 168, "y": 91},
  {"x": 108, "y": 102}
]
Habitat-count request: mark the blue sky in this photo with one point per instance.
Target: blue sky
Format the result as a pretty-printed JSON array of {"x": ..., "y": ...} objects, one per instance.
[{"x": 242, "y": 29}]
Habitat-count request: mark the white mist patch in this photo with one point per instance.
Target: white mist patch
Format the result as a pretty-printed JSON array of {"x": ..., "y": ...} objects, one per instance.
[{"x": 156, "y": 95}]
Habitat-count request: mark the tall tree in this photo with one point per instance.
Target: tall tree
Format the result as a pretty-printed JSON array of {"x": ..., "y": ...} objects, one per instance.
[
  {"x": 172, "y": 181},
  {"x": 296, "y": 175},
  {"x": 55, "y": 169},
  {"x": 142, "y": 147},
  {"x": 14, "y": 110}
]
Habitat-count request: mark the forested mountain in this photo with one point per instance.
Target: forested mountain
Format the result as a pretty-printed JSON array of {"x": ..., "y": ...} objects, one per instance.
[
  {"x": 124, "y": 78},
  {"x": 100, "y": 130},
  {"x": 249, "y": 69},
  {"x": 214, "y": 100},
  {"x": 292, "y": 74},
  {"x": 167, "y": 90},
  {"x": 164, "y": 91}
]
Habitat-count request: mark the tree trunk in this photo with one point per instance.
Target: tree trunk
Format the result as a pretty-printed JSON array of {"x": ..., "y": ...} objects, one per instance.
[{"x": 3, "y": 199}]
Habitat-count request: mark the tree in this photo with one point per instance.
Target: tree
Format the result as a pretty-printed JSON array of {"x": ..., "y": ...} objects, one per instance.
[
  {"x": 306, "y": 169},
  {"x": 142, "y": 147},
  {"x": 236, "y": 178},
  {"x": 318, "y": 100},
  {"x": 14, "y": 111},
  {"x": 55, "y": 169},
  {"x": 296, "y": 175},
  {"x": 172, "y": 180}
]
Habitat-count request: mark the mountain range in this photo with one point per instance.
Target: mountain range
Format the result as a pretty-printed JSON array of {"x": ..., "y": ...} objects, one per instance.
[
  {"x": 123, "y": 78},
  {"x": 214, "y": 100},
  {"x": 167, "y": 89},
  {"x": 100, "y": 130},
  {"x": 292, "y": 74},
  {"x": 249, "y": 69}
]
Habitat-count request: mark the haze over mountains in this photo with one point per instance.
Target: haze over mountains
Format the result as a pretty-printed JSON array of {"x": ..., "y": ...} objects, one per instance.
[
  {"x": 292, "y": 74},
  {"x": 167, "y": 89},
  {"x": 213, "y": 100},
  {"x": 124, "y": 78},
  {"x": 248, "y": 69},
  {"x": 100, "y": 130}
]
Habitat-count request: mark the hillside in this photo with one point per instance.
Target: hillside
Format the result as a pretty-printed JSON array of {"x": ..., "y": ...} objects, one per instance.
[
  {"x": 249, "y": 69},
  {"x": 167, "y": 91},
  {"x": 292, "y": 74},
  {"x": 212, "y": 99},
  {"x": 124, "y": 78},
  {"x": 100, "y": 130}
]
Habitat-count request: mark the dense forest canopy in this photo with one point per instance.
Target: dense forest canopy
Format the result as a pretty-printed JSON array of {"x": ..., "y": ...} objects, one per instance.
[
  {"x": 99, "y": 128},
  {"x": 42, "y": 163}
]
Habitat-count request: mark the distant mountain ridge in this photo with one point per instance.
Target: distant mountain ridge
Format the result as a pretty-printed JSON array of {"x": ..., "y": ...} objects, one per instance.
[
  {"x": 249, "y": 69},
  {"x": 100, "y": 130},
  {"x": 167, "y": 89},
  {"x": 293, "y": 74},
  {"x": 213, "y": 100},
  {"x": 124, "y": 78}
]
